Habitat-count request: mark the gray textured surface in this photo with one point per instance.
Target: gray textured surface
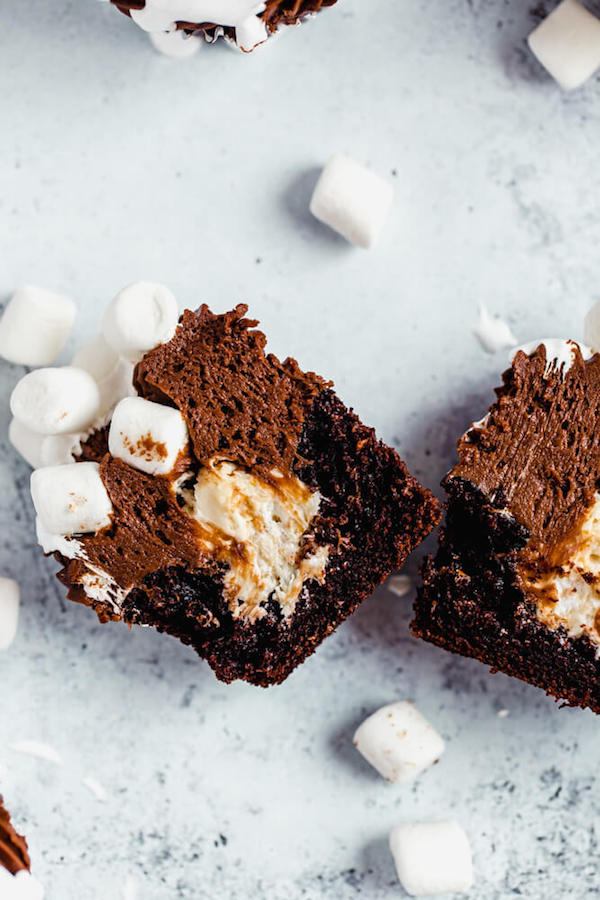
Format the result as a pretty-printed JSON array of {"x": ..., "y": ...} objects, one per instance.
[{"x": 117, "y": 164}]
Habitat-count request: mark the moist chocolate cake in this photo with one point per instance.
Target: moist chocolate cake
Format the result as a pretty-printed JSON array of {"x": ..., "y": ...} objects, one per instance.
[
  {"x": 278, "y": 516},
  {"x": 516, "y": 580},
  {"x": 222, "y": 18}
]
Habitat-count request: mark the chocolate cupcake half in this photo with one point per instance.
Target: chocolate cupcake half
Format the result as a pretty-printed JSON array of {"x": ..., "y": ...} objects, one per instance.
[
  {"x": 245, "y": 23},
  {"x": 234, "y": 502},
  {"x": 516, "y": 580}
]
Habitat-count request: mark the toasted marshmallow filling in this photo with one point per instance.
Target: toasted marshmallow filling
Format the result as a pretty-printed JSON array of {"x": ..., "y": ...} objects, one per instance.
[
  {"x": 569, "y": 595},
  {"x": 258, "y": 529}
]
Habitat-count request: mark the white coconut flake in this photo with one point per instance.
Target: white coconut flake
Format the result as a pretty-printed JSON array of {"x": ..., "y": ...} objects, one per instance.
[
  {"x": 39, "y": 750},
  {"x": 492, "y": 332},
  {"x": 95, "y": 788}
]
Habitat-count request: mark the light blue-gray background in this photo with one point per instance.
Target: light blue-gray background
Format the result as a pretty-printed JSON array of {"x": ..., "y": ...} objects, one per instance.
[{"x": 118, "y": 164}]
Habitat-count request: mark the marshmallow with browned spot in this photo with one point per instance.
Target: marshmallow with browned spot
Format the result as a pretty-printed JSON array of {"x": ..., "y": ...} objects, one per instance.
[
  {"x": 71, "y": 499},
  {"x": 148, "y": 436},
  {"x": 398, "y": 741}
]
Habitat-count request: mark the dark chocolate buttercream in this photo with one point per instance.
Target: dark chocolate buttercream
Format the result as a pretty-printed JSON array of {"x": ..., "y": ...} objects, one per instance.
[
  {"x": 238, "y": 402},
  {"x": 538, "y": 453}
]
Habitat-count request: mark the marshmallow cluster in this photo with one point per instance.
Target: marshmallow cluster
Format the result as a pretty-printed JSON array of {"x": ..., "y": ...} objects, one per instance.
[
  {"x": 399, "y": 742},
  {"x": 567, "y": 44},
  {"x": 71, "y": 499},
  {"x": 141, "y": 316},
  {"x": 54, "y": 409},
  {"x": 432, "y": 858},
  {"x": 352, "y": 200},
  {"x": 35, "y": 326},
  {"x": 146, "y": 435},
  {"x": 9, "y": 611}
]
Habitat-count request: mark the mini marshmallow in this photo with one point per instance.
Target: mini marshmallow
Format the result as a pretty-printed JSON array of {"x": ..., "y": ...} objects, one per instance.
[
  {"x": 113, "y": 375},
  {"x": 175, "y": 44},
  {"x": 22, "y": 886},
  {"x": 432, "y": 858},
  {"x": 71, "y": 499},
  {"x": 35, "y": 326},
  {"x": 56, "y": 401},
  {"x": 399, "y": 742},
  {"x": 251, "y": 33},
  {"x": 141, "y": 316},
  {"x": 9, "y": 611},
  {"x": 26, "y": 442},
  {"x": 352, "y": 200},
  {"x": 567, "y": 43},
  {"x": 146, "y": 435},
  {"x": 591, "y": 327}
]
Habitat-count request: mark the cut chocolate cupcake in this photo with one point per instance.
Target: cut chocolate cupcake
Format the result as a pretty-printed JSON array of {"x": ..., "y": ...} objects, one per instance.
[
  {"x": 16, "y": 880},
  {"x": 516, "y": 580},
  {"x": 235, "y": 503},
  {"x": 245, "y": 23}
]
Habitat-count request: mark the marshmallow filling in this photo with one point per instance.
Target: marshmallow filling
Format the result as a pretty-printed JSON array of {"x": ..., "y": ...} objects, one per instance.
[
  {"x": 258, "y": 530},
  {"x": 567, "y": 595}
]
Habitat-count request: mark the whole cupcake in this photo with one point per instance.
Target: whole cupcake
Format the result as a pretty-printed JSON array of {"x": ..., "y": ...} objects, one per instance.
[{"x": 244, "y": 23}]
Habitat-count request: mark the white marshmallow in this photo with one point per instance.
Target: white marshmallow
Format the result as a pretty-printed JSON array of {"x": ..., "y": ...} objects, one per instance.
[
  {"x": 591, "y": 327},
  {"x": 9, "y": 611},
  {"x": 71, "y": 499},
  {"x": 146, "y": 435},
  {"x": 22, "y": 886},
  {"x": 567, "y": 43},
  {"x": 35, "y": 326},
  {"x": 398, "y": 741},
  {"x": 175, "y": 44},
  {"x": 352, "y": 200},
  {"x": 432, "y": 858},
  {"x": 26, "y": 442},
  {"x": 56, "y": 401},
  {"x": 141, "y": 316},
  {"x": 113, "y": 375},
  {"x": 251, "y": 33}
]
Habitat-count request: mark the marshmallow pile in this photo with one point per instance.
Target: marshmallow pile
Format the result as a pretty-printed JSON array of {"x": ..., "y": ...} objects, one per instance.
[
  {"x": 567, "y": 44},
  {"x": 352, "y": 201},
  {"x": 430, "y": 857},
  {"x": 56, "y": 408}
]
